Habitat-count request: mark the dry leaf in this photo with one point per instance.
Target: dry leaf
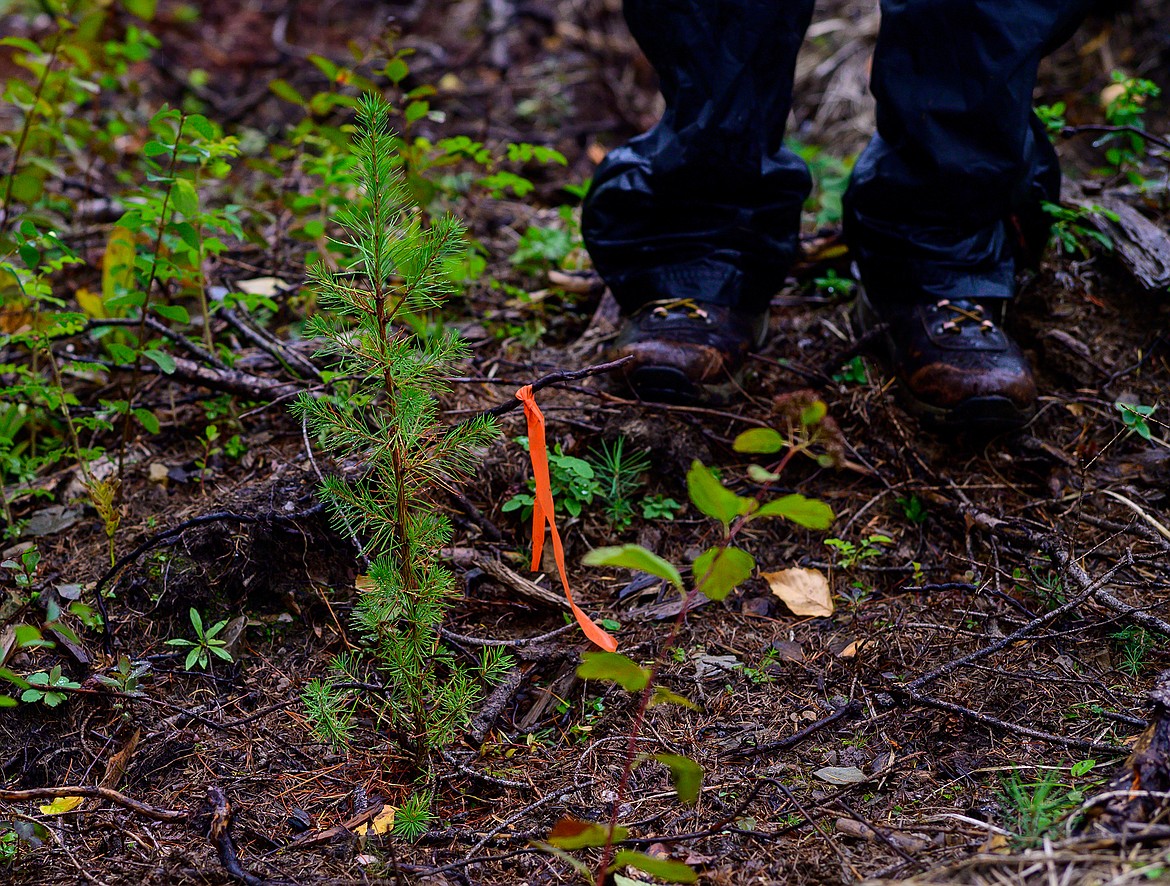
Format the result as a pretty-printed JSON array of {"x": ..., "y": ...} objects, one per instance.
[
  {"x": 804, "y": 591},
  {"x": 851, "y": 649},
  {"x": 382, "y": 823},
  {"x": 841, "y": 775},
  {"x": 265, "y": 286}
]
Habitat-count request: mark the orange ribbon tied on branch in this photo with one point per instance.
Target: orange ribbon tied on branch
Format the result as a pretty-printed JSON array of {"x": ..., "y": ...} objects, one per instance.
[{"x": 542, "y": 512}]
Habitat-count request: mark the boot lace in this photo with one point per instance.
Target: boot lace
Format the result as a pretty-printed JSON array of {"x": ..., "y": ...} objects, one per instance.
[{"x": 961, "y": 313}]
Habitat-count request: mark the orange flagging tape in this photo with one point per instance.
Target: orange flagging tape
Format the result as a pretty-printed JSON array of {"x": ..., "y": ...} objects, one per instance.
[{"x": 542, "y": 512}]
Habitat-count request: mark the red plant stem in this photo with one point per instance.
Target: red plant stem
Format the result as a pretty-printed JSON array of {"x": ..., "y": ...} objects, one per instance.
[{"x": 647, "y": 691}]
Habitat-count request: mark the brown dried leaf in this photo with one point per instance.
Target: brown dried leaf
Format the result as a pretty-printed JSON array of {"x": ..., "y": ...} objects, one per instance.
[{"x": 804, "y": 591}]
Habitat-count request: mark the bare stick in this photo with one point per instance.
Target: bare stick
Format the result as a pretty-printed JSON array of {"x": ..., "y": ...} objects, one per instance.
[
  {"x": 1048, "y": 737},
  {"x": 168, "y": 816},
  {"x": 559, "y": 376}
]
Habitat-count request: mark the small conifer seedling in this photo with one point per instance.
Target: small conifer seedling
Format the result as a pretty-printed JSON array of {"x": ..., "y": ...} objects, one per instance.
[{"x": 380, "y": 330}]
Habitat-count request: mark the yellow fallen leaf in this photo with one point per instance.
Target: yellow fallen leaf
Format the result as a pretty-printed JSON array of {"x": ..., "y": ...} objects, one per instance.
[
  {"x": 804, "y": 591},
  {"x": 382, "y": 824},
  {"x": 62, "y": 805}
]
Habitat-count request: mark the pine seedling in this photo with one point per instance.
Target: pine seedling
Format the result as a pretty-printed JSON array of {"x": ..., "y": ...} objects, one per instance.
[{"x": 379, "y": 332}]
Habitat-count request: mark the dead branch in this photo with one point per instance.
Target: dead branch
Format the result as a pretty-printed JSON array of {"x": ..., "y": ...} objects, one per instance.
[
  {"x": 848, "y": 712},
  {"x": 556, "y": 377},
  {"x": 1007, "y": 726},
  {"x": 167, "y": 816}
]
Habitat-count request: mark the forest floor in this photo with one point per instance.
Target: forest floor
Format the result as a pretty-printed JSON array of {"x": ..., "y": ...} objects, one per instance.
[{"x": 1001, "y": 606}]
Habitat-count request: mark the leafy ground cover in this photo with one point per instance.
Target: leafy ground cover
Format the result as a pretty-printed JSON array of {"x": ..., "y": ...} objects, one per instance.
[{"x": 938, "y": 686}]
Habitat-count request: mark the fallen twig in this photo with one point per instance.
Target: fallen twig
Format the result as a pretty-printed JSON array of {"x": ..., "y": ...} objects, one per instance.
[
  {"x": 168, "y": 816},
  {"x": 847, "y": 712},
  {"x": 1082, "y": 744},
  {"x": 553, "y": 378}
]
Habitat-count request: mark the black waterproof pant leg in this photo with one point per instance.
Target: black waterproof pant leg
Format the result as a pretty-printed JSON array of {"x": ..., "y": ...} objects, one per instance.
[
  {"x": 707, "y": 204},
  {"x": 942, "y": 198}
]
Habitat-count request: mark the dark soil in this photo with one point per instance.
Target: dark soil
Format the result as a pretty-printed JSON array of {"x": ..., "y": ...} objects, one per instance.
[{"x": 986, "y": 537}]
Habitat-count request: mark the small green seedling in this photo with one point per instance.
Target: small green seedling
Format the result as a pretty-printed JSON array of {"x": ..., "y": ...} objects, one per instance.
[
  {"x": 206, "y": 643},
  {"x": 48, "y": 688},
  {"x": 1135, "y": 417}
]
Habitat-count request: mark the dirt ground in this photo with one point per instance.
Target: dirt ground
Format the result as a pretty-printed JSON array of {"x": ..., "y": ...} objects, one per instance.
[{"x": 1011, "y": 627}]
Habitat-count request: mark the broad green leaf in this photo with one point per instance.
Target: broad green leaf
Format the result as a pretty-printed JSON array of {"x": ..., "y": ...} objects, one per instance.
[
  {"x": 713, "y": 498},
  {"x": 143, "y": 9},
  {"x": 26, "y": 636},
  {"x": 282, "y": 89},
  {"x": 763, "y": 440},
  {"x": 663, "y": 868},
  {"x": 200, "y": 125},
  {"x": 572, "y": 833},
  {"x": 615, "y": 667},
  {"x": 685, "y": 774},
  {"x": 634, "y": 557},
  {"x": 813, "y": 413},
  {"x": 186, "y": 198},
  {"x": 131, "y": 299},
  {"x": 121, "y": 353},
  {"x": 164, "y": 361},
  {"x": 7, "y": 701},
  {"x": 14, "y": 678},
  {"x": 27, "y": 187},
  {"x": 396, "y": 70},
  {"x": 719, "y": 570},
  {"x": 810, "y": 513},
  {"x": 416, "y": 110},
  {"x": 174, "y": 313},
  {"x": 662, "y": 695},
  {"x": 22, "y": 43},
  {"x": 147, "y": 419}
]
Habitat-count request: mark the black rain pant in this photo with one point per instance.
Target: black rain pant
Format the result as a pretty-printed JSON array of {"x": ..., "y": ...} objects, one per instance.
[{"x": 706, "y": 205}]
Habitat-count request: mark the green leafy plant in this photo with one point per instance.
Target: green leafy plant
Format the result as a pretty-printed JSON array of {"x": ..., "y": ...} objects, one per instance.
[
  {"x": 414, "y": 816},
  {"x": 378, "y": 334},
  {"x": 853, "y": 372},
  {"x": 831, "y": 176},
  {"x": 49, "y": 688},
  {"x": 8, "y": 843},
  {"x": 1133, "y": 644},
  {"x": 832, "y": 285},
  {"x": 1034, "y": 809},
  {"x": 25, "y": 569},
  {"x": 125, "y": 678},
  {"x": 207, "y": 643},
  {"x": 849, "y": 554},
  {"x": 913, "y": 508},
  {"x": 659, "y": 507},
  {"x": 1125, "y": 109},
  {"x": 714, "y": 573},
  {"x": 573, "y": 480},
  {"x": 619, "y": 475},
  {"x": 1136, "y": 417},
  {"x": 1053, "y": 117},
  {"x": 551, "y": 246},
  {"x": 1073, "y": 230}
]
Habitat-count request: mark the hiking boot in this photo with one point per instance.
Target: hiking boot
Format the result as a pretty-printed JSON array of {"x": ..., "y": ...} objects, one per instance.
[
  {"x": 956, "y": 366},
  {"x": 687, "y": 352}
]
